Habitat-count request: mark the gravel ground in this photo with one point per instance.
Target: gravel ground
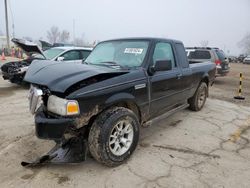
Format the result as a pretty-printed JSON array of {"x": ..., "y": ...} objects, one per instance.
[
  {"x": 225, "y": 88},
  {"x": 210, "y": 148}
]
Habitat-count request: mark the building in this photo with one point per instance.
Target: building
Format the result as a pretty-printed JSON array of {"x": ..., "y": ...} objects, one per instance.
[{"x": 3, "y": 42}]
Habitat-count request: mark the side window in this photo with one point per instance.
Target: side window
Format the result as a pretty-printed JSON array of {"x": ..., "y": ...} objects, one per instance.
[
  {"x": 163, "y": 51},
  {"x": 85, "y": 54},
  {"x": 71, "y": 55}
]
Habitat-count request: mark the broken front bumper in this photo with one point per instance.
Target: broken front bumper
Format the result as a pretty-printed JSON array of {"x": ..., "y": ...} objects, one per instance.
[
  {"x": 51, "y": 128},
  {"x": 11, "y": 72},
  {"x": 5, "y": 76},
  {"x": 72, "y": 150}
]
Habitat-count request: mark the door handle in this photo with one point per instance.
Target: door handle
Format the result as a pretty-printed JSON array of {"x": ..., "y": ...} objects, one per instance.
[{"x": 178, "y": 76}]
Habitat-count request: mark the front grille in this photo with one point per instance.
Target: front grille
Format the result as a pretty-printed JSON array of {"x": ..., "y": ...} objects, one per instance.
[{"x": 34, "y": 98}]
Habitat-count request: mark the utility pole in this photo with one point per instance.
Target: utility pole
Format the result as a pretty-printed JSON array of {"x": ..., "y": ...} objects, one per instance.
[
  {"x": 73, "y": 30},
  {"x": 7, "y": 25},
  {"x": 13, "y": 28}
]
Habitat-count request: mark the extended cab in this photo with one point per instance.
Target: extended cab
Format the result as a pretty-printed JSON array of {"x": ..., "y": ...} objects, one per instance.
[{"x": 123, "y": 84}]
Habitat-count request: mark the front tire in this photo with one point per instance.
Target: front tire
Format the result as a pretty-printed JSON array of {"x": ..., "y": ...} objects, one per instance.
[
  {"x": 199, "y": 99},
  {"x": 114, "y": 136}
]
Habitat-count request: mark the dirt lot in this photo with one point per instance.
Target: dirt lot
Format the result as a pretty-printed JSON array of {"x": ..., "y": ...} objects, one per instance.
[
  {"x": 210, "y": 148},
  {"x": 225, "y": 88}
]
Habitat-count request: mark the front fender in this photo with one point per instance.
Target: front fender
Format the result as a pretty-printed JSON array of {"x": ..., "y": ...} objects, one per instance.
[
  {"x": 119, "y": 97},
  {"x": 127, "y": 100}
]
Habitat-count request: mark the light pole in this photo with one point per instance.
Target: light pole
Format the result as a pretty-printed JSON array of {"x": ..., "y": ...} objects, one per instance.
[
  {"x": 7, "y": 25},
  {"x": 73, "y": 30}
]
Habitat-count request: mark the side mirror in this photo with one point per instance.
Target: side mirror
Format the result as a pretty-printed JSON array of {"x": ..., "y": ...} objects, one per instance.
[
  {"x": 163, "y": 65},
  {"x": 60, "y": 58}
]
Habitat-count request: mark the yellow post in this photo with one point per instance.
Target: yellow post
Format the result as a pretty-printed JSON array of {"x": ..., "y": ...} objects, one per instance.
[{"x": 239, "y": 96}]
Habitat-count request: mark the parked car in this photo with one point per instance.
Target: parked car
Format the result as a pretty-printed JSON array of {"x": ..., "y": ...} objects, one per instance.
[
  {"x": 46, "y": 45},
  {"x": 201, "y": 54},
  {"x": 222, "y": 63},
  {"x": 102, "y": 103},
  {"x": 15, "y": 71},
  {"x": 241, "y": 58},
  {"x": 247, "y": 60},
  {"x": 232, "y": 59}
]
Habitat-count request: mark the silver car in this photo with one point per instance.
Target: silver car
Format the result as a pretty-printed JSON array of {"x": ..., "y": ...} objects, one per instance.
[
  {"x": 247, "y": 60},
  {"x": 15, "y": 71},
  {"x": 65, "y": 54}
]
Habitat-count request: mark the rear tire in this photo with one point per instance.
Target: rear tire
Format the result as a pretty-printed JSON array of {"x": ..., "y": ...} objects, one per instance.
[
  {"x": 198, "y": 100},
  {"x": 114, "y": 136}
]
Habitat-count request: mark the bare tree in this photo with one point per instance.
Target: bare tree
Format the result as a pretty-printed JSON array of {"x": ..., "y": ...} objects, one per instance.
[
  {"x": 204, "y": 43},
  {"x": 53, "y": 34},
  {"x": 64, "y": 36},
  {"x": 78, "y": 42},
  {"x": 94, "y": 43},
  {"x": 245, "y": 43}
]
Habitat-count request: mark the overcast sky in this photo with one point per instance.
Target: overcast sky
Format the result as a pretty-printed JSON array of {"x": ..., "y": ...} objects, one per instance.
[{"x": 222, "y": 22}]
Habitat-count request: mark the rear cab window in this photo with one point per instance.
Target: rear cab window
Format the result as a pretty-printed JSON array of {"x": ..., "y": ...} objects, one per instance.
[{"x": 199, "y": 54}]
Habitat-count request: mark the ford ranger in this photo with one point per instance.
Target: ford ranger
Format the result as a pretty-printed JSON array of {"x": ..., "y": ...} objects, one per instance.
[{"x": 100, "y": 105}]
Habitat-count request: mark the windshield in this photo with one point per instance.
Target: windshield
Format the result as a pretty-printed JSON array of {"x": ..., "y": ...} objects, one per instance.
[
  {"x": 49, "y": 54},
  {"x": 126, "y": 54}
]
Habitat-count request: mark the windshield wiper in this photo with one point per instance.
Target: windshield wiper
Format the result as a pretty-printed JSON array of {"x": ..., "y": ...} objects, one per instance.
[
  {"x": 111, "y": 63},
  {"x": 114, "y": 64},
  {"x": 107, "y": 63},
  {"x": 88, "y": 63}
]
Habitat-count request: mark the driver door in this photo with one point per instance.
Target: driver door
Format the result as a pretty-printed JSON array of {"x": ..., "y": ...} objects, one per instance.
[{"x": 164, "y": 84}]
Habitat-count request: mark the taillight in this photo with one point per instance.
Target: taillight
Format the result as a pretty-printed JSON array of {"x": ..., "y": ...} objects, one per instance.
[{"x": 217, "y": 62}]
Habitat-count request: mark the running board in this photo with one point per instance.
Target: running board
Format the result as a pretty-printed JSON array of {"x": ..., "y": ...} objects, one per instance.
[{"x": 165, "y": 115}]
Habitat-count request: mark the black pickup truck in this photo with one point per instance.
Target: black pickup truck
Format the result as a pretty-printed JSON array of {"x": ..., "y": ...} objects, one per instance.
[{"x": 102, "y": 103}]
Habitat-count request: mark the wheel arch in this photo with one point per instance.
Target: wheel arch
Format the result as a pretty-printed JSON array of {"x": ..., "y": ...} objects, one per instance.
[
  {"x": 125, "y": 100},
  {"x": 205, "y": 78}
]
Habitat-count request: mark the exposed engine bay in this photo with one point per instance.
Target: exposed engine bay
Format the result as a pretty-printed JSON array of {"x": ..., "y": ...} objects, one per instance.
[{"x": 15, "y": 71}]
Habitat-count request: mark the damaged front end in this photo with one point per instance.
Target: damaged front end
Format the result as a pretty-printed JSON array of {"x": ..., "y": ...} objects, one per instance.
[
  {"x": 73, "y": 150},
  {"x": 15, "y": 71},
  {"x": 56, "y": 106},
  {"x": 70, "y": 137}
]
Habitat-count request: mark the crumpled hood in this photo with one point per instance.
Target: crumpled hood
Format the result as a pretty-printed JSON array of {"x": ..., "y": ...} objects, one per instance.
[
  {"x": 58, "y": 77},
  {"x": 45, "y": 45},
  {"x": 28, "y": 47}
]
